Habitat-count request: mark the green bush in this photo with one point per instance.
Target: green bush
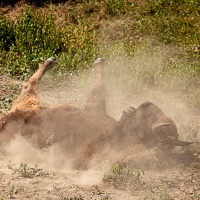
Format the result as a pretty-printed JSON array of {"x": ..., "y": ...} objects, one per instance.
[
  {"x": 79, "y": 32},
  {"x": 81, "y": 48},
  {"x": 6, "y": 34},
  {"x": 174, "y": 21},
  {"x": 34, "y": 38}
]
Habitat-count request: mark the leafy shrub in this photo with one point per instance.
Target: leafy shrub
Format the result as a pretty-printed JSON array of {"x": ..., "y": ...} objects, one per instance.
[
  {"x": 35, "y": 39},
  {"x": 81, "y": 48},
  {"x": 123, "y": 176},
  {"x": 6, "y": 34},
  {"x": 73, "y": 198},
  {"x": 29, "y": 172},
  {"x": 174, "y": 21}
]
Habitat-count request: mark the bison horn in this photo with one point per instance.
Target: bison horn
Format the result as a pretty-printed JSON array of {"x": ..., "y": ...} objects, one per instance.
[
  {"x": 181, "y": 143},
  {"x": 161, "y": 125},
  {"x": 52, "y": 59},
  {"x": 174, "y": 141}
]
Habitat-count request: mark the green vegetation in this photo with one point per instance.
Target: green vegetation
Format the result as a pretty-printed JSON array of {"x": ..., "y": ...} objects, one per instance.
[
  {"x": 124, "y": 177},
  {"x": 28, "y": 41},
  {"x": 73, "y": 198},
  {"x": 29, "y": 172},
  {"x": 77, "y": 32},
  {"x": 157, "y": 193},
  {"x": 9, "y": 92}
]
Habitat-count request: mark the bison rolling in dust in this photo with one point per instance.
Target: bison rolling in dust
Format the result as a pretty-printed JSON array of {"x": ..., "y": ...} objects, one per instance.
[{"x": 83, "y": 133}]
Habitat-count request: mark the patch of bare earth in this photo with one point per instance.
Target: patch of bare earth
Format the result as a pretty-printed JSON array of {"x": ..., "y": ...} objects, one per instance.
[{"x": 30, "y": 177}]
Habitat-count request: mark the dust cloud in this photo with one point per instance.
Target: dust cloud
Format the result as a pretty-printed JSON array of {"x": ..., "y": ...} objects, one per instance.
[
  {"x": 89, "y": 178},
  {"x": 20, "y": 150},
  {"x": 147, "y": 77},
  {"x": 53, "y": 159}
]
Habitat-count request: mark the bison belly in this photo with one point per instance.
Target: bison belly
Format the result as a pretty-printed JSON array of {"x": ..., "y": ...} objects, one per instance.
[{"x": 72, "y": 129}]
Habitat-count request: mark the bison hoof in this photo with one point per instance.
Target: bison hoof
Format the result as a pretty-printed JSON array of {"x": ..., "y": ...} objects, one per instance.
[
  {"x": 52, "y": 59},
  {"x": 99, "y": 60}
]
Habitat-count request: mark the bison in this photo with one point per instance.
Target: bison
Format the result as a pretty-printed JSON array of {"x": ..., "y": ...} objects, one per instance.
[{"x": 88, "y": 131}]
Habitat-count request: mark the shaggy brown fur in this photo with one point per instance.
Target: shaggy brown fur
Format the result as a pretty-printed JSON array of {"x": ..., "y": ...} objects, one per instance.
[
  {"x": 141, "y": 121},
  {"x": 95, "y": 103},
  {"x": 27, "y": 104},
  {"x": 28, "y": 100}
]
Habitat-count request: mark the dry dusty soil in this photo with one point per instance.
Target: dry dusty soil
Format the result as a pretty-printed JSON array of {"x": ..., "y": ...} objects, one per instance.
[{"x": 25, "y": 176}]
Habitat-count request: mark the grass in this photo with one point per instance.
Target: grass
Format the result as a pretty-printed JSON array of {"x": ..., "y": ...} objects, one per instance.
[
  {"x": 73, "y": 198},
  {"x": 130, "y": 179},
  {"x": 10, "y": 92},
  {"x": 123, "y": 177},
  {"x": 133, "y": 181},
  {"x": 160, "y": 38},
  {"x": 157, "y": 193},
  {"x": 29, "y": 172}
]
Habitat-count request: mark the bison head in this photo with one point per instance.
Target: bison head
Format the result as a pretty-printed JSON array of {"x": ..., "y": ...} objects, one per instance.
[{"x": 150, "y": 126}]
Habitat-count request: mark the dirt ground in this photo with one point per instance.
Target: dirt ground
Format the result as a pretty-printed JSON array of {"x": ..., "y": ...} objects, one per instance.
[{"x": 26, "y": 173}]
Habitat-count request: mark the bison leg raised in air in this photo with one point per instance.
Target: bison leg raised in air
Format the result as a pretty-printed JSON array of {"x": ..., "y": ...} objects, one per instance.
[
  {"x": 95, "y": 102},
  {"x": 27, "y": 103},
  {"x": 28, "y": 100}
]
